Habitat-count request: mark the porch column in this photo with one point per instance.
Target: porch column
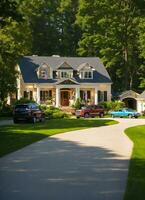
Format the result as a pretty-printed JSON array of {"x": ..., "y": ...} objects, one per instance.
[
  {"x": 18, "y": 88},
  {"x": 96, "y": 95},
  {"x": 77, "y": 93},
  {"x": 57, "y": 97},
  {"x": 38, "y": 95},
  {"x": 109, "y": 93},
  {"x": 34, "y": 95}
]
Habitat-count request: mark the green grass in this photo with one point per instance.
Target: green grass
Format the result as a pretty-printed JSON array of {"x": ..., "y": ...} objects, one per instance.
[
  {"x": 136, "y": 178},
  {"x": 17, "y": 136}
]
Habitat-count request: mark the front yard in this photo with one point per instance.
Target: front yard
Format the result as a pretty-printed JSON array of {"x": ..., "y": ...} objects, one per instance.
[
  {"x": 136, "y": 178},
  {"x": 17, "y": 136}
]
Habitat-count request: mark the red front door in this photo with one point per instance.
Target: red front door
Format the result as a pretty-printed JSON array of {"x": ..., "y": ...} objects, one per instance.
[{"x": 64, "y": 98}]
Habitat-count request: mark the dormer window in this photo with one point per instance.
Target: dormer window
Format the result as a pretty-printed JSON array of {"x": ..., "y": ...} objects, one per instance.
[
  {"x": 86, "y": 74},
  {"x": 86, "y": 71},
  {"x": 44, "y": 72},
  {"x": 66, "y": 74}
]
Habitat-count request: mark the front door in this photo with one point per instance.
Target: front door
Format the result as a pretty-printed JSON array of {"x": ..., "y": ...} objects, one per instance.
[{"x": 65, "y": 98}]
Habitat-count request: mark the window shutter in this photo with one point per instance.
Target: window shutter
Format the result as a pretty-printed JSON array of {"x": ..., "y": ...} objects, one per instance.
[
  {"x": 99, "y": 96},
  {"x": 31, "y": 95},
  {"x": 105, "y": 95}
]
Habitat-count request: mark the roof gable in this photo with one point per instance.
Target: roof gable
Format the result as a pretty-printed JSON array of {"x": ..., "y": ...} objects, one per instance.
[
  {"x": 64, "y": 66},
  {"x": 67, "y": 82}
]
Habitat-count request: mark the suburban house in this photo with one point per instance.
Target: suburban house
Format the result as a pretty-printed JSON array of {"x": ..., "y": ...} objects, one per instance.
[
  {"x": 61, "y": 80},
  {"x": 134, "y": 100}
]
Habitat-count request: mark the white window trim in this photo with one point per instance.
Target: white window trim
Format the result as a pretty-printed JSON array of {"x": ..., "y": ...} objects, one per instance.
[
  {"x": 83, "y": 72},
  {"x": 44, "y": 67},
  {"x": 70, "y": 72}
]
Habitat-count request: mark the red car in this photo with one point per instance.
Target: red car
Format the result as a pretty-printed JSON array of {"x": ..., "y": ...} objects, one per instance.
[{"x": 90, "y": 111}]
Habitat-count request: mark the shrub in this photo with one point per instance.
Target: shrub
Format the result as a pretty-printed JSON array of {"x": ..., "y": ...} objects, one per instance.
[
  {"x": 59, "y": 115},
  {"x": 77, "y": 103},
  {"x": 24, "y": 100},
  {"x": 113, "y": 105},
  {"x": 6, "y": 111}
]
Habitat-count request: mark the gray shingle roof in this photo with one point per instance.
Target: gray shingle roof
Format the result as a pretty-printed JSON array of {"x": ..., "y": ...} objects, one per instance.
[
  {"x": 29, "y": 64},
  {"x": 142, "y": 95}
]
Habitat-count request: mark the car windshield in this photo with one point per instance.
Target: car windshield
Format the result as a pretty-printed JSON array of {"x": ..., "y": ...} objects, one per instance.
[
  {"x": 129, "y": 110},
  {"x": 21, "y": 107}
]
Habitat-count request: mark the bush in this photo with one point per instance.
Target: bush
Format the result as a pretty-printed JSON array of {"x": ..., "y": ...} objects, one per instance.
[
  {"x": 113, "y": 105},
  {"x": 52, "y": 112},
  {"x": 6, "y": 111},
  {"x": 59, "y": 115},
  {"x": 77, "y": 104},
  {"x": 24, "y": 100}
]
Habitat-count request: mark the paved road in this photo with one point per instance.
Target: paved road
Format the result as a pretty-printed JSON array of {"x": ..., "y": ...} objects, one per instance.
[{"x": 89, "y": 164}]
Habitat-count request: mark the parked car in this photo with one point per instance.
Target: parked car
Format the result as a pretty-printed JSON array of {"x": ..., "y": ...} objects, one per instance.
[
  {"x": 125, "y": 112},
  {"x": 90, "y": 111},
  {"x": 28, "y": 112}
]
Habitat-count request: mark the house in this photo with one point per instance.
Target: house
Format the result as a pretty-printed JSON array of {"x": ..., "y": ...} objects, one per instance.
[
  {"x": 133, "y": 100},
  {"x": 61, "y": 80}
]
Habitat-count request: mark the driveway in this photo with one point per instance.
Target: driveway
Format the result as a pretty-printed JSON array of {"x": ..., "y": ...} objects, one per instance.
[{"x": 89, "y": 164}]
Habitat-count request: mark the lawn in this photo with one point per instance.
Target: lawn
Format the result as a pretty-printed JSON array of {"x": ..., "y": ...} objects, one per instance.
[
  {"x": 17, "y": 136},
  {"x": 136, "y": 178}
]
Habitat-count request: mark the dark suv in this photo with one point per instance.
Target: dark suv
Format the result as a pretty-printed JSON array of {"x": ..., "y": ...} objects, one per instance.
[
  {"x": 28, "y": 112},
  {"x": 90, "y": 111}
]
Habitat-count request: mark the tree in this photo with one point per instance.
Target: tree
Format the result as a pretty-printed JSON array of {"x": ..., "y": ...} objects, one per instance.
[
  {"x": 70, "y": 31},
  {"x": 15, "y": 40},
  {"x": 110, "y": 31},
  {"x": 43, "y": 17}
]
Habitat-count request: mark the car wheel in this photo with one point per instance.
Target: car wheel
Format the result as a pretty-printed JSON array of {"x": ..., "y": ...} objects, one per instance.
[
  {"x": 42, "y": 119},
  {"x": 101, "y": 115},
  {"x": 112, "y": 116},
  {"x": 86, "y": 115},
  {"x": 34, "y": 120},
  {"x": 78, "y": 117},
  {"x": 130, "y": 116}
]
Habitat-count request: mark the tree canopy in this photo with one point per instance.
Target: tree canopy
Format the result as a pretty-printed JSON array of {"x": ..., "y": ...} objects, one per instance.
[{"x": 109, "y": 29}]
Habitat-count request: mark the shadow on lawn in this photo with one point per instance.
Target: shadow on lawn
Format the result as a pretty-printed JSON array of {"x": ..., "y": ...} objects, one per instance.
[{"x": 56, "y": 169}]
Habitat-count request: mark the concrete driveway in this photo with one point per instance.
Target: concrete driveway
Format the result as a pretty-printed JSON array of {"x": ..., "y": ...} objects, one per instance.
[{"x": 89, "y": 164}]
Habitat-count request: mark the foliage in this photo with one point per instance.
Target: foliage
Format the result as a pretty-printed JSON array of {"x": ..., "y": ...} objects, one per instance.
[
  {"x": 24, "y": 100},
  {"x": 111, "y": 31},
  {"x": 52, "y": 112},
  {"x": 77, "y": 104},
  {"x": 5, "y": 110},
  {"x": 113, "y": 105},
  {"x": 15, "y": 41}
]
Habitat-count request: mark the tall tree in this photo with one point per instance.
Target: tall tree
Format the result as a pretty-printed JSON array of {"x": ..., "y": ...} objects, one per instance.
[
  {"x": 110, "y": 30},
  {"x": 15, "y": 39},
  {"x": 43, "y": 17},
  {"x": 70, "y": 31}
]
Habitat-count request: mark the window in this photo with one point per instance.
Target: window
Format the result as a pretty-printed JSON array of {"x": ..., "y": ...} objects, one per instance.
[
  {"x": 85, "y": 95},
  {"x": 86, "y": 74},
  {"x": 28, "y": 94},
  {"x": 65, "y": 74},
  {"x": 43, "y": 74},
  {"x": 43, "y": 95},
  {"x": 102, "y": 96}
]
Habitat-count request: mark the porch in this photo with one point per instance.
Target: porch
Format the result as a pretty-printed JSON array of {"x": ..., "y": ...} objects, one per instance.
[{"x": 65, "y": 96}]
